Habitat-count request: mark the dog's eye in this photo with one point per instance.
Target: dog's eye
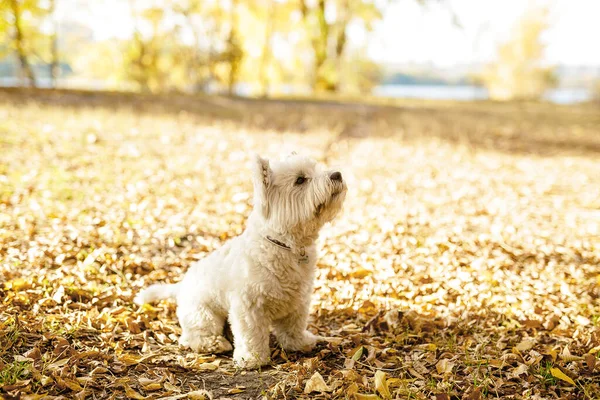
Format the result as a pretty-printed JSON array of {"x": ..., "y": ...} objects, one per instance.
[{"x": 300, "y": 180}]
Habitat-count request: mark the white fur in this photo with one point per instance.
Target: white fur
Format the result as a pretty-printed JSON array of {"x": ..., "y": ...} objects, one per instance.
[{"x": 251, "y": 281}]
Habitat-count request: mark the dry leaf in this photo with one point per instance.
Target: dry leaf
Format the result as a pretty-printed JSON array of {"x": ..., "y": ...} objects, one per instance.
[
  {"x": 381, "y": 385},
  {"x": 352, "y": 389},
  {"x": 525, "y": 345},
  {"x": 193, "y": 395},
  {"x": 567, "y": 356},
  {"x": 316, "y": 383},
  {"x": 132, "y": 394},
  {"x": 590, "y": 361},
  {"x": 557, "y": 373},
  {"x": 518, "y": 371},
  {"x": 171, "y": 388},
  {"x": 444, "y": 366}
]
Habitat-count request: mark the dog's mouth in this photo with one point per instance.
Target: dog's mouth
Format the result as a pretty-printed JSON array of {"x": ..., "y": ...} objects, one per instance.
[{"x": 334, "y": 195}]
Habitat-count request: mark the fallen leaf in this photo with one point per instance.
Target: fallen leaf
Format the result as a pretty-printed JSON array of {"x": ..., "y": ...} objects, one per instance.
[
  {"x": 518, "y": 371},
  {"x": 590, "y": 361},
  {"x": 444, "y": 366},
  {"x": 358, "y": 353},
  {"x": 193, "y": 395},
  {"x": 316, "y": 383},
  {"x": 58, "y": 364},
  {"x": 567, "y": 356},
  {"x": 171, "y": 388},
  {"x": 525, "y": 345},
  {"x": 557, "y": 373},
  {"x": 381, "y": 385},
  {"x": 132, "y": 394},
  {"x": 359, "y": 396}
]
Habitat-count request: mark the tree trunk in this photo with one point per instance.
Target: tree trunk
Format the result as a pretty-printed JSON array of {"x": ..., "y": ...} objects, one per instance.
[
  {"x": 55, "y": 64},
  {"x": 26, "y": 69},
  {"x": 264, "y": 82},
  {"x": 340, "y": 44},
  {"x": 318, "y": 40},
  {"x": 233, "y": 50},
  {"x": 320, "y": 47}
]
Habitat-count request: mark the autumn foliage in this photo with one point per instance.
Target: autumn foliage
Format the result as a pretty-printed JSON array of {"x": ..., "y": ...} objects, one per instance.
[{"x": 465, "y": 264}]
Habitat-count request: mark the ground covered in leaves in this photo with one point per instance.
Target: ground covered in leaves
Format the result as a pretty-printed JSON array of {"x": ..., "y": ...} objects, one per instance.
[{"x": 465, "y": 264}]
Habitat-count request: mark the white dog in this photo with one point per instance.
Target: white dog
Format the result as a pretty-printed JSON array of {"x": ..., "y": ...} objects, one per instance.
[{"x": 264, "y": 277}]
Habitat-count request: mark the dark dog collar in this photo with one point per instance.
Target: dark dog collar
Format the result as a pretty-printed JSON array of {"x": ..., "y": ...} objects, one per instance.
[{"x": 303, "y": 257}]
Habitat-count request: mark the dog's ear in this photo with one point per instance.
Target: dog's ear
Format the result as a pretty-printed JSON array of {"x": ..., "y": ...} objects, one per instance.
[{"x": 262, "y": 176}]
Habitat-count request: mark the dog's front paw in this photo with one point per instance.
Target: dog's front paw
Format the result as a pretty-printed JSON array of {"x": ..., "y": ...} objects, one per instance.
[
  {"x": 248, "y": 360},
  {"x": 304, "y": 343},
  {"x": 206, "y": 344}
]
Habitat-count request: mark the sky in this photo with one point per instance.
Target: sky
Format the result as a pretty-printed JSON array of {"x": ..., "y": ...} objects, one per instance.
[{"x": 410, "y": 33}]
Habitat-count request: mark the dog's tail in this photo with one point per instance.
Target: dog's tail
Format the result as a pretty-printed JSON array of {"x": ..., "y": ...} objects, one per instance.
[{"x": 156, "y": 292}]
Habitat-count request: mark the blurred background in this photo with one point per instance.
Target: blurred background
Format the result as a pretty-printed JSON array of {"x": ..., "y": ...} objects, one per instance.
[{"x": 436, "y": 49}]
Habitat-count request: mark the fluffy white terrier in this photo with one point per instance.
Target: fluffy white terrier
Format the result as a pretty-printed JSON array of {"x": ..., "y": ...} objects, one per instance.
[{"x": 264, "y": 277}]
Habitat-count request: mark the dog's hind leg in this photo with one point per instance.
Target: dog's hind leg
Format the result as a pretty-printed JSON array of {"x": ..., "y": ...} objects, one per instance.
[{"x": 202, "y": 330}]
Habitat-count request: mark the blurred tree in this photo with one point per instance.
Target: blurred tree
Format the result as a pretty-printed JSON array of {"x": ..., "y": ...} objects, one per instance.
[
  {"x": 55, "y": 61},
  {"x": 359, "y": 75},
  {"x": 518, "y": 73},
  {"x": 14, "y": 11},
  {"x": 326, "y": 23},
  {"x": 234, "y": 50},
  {"x": 198, "y": 70},
  {"x": 266, "y": 50},
  {"x": 151, "y": 55}
]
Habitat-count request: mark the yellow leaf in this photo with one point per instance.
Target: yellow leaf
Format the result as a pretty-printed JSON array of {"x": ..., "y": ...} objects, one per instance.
[
  {"x": 381, "y": 385},
  {"x": 132, "y": 394},
  {"x": 236, "y": 390},
  {"x": 71, "y": 384},
  {"x": 316, "y": 383},
  {"x": 199, "y": 395},
  {"x": 557, "y": 373},
  {"x": 358, "y": 353},
  {"x": 525, "y": 345},
  {"x": 427, "y": 347},
  {"x": 444, "y": 366},
  {"x": 171, "y": 388},
  {"x": 567, "y": 356},
  {"x": 152, "y": 386},
  {"x": 552, "y": 353},
  {"x": 16, "y": 284},
  {"x": 129, "y": 359},
  {"x": 209, "y": 366},
  {"x": 359, "y": 396},
  {"x": 352, "y": 389}
]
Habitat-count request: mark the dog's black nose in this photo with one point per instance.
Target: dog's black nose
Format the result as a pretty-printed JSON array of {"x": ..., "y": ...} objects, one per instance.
[{"x": 336, "y": 176}]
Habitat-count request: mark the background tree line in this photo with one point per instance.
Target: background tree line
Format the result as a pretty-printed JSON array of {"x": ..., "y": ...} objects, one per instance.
[
  {"x": 264, "y": 46},
  {"x": 192, "y": 45}
]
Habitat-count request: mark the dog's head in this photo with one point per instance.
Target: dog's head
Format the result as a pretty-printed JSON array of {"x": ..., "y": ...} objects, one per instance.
[{"x": 295, "y": 194}]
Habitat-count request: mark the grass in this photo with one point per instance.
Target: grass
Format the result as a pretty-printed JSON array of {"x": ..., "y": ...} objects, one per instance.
[
  {"x": 470, "y": 236},
  {"x": 546, "y": 376},
  {"x": 14, "y": 372}
]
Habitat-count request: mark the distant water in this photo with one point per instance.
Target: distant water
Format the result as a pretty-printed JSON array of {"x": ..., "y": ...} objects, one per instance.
[{"x": 466, "y": 93}]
